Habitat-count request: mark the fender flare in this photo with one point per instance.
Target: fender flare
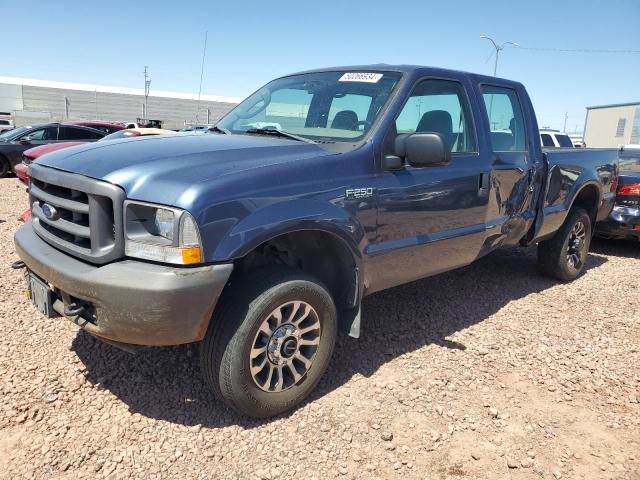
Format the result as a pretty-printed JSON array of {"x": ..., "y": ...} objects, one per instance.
[
  {"x": 295, "y": 216},
  {"x": 589, "y": 183},
  {"x": 279, "y": 219}
]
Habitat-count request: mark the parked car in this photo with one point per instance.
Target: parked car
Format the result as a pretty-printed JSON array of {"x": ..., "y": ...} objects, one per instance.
[
  {"x": 106, "y": 127},
  {"x": 6, "y": 125},
  {"x": 624, "y": 221},
  {"x": 16, "y": 141},
  {"x": 555, "y": 139},
  {"x": 197, "y": 128},
  {"x": 22, "y": 169},
  {"x": 261, "y": 243}
]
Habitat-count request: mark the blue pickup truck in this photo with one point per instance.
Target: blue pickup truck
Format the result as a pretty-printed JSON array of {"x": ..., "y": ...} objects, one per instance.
[{"x": 261, "y": 239}]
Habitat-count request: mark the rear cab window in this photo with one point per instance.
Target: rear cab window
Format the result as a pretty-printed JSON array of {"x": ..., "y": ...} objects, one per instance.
[{"x": 506, "y": 121}]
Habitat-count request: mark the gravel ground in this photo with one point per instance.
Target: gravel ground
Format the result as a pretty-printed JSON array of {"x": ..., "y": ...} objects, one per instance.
[{"x": 488, "y": 372}]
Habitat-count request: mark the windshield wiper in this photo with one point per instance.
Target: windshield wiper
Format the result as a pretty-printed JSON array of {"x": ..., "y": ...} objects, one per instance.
[
  {"x": 218, "y": 129},
  {"x": 278, "y": 133}
]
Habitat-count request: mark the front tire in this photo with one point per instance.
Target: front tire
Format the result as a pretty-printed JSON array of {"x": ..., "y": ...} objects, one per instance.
[
  {"x": 565, "y": 254},
  {"x": 270, "y": 341}
]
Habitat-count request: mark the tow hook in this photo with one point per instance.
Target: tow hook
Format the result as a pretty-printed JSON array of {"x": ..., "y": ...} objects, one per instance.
[
  {"x": 73, "y": 310},
  {"x": 18, "y": 264}
]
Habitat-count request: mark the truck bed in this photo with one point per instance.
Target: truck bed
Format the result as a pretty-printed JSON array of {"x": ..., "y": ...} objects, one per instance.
[{"x": 567, "y": 169}]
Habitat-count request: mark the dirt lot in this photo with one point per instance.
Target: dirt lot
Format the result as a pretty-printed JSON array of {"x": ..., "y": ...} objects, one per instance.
[{"x": 489, "y": 372}]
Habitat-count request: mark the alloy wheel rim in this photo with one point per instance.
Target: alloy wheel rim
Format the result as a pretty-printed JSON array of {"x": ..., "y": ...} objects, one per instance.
[
  {"x": 575, "y": 247},
  {"x": 285, "y": 346}
]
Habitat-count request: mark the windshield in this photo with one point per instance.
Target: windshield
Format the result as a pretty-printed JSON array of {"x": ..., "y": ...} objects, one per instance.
[
  {"x": 11, "y": 134},
  {"x": 327, "y": 107},
  {"x": 564, "y": 141}
]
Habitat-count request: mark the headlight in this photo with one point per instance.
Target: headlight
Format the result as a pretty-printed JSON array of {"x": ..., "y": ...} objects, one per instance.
[{"x": 159, "y": 233}]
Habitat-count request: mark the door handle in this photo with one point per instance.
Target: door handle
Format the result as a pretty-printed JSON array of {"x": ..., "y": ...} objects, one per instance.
[{"x": 484, "y": 184}]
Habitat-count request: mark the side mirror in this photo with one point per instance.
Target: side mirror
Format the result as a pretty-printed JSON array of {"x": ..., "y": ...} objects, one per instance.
[
  {"x": 26, "y": 139},
  {"x": 424, "y": 149}
]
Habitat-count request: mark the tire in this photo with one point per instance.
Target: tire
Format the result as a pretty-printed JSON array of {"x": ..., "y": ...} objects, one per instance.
[
  {"x": 5, "y": 167},
  {"x": 565, "y": 254},
  {"x": 238, "y": 332}
]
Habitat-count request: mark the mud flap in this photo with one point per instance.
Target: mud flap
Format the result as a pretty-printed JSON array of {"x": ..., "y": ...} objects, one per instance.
[{"x": 350, "y": 321}]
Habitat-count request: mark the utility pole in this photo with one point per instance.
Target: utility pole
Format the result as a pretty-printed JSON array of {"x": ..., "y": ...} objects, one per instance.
[
  {"x": 566, "y": 116},
  {"x": 498, "y": 49},
  {"x": 147, "y": 85}
]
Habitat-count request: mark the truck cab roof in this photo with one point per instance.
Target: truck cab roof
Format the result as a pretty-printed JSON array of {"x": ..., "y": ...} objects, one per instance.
[{"x": 417, "y": 70}]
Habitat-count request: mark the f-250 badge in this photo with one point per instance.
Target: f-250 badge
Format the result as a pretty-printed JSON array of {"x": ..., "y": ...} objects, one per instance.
[{"x": 358, "y": 193}]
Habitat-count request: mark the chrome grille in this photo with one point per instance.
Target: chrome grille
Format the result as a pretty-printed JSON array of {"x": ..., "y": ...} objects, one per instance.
[{"x": 77, "y": 214}]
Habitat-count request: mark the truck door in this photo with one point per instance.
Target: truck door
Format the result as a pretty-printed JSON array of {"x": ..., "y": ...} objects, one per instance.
[
  {"x": 431, "y": 219},
  {"x": 513, "y": 175}
]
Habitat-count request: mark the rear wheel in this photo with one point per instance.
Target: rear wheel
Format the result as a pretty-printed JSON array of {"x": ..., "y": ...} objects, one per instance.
[
  {"x": 565, "y": 254},
  {"x": 270, "y": 341}
]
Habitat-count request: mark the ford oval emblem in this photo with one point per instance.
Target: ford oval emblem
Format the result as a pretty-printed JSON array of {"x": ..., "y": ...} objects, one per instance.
[{"x": 50, "y": 211}]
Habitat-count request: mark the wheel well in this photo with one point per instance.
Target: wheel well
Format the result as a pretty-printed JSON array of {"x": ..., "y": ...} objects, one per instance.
[
  {"x": 588, "y": 198},
  {"x": 317, "y": 253}
]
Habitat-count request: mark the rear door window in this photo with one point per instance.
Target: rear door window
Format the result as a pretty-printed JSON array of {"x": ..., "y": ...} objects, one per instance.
[
  {"x": 506, "y": 121},
  {"x": 547, "y": 141},
  {"x": 72, "y": 133}
]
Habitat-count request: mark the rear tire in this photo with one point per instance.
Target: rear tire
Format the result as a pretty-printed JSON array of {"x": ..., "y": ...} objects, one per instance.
[
  {"x": 270, "y": 341},
  {"x": 565, "y": 254}
]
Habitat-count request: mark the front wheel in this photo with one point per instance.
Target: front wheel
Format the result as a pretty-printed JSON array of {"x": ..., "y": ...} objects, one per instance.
[
  {"x": 270, "y": 341},
  {"x": 565, "y": 254}
]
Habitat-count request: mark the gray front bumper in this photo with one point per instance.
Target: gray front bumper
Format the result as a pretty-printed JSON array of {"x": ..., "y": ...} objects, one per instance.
[{"x": 135, "y": 302}]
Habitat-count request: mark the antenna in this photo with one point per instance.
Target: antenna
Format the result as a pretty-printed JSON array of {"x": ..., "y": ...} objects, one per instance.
[{"x": 204, "y": 51}]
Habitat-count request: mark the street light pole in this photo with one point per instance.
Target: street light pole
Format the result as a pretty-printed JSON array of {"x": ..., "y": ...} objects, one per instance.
[{"x": 498, "y": 49}]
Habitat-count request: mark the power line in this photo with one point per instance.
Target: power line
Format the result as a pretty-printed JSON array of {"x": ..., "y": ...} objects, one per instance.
[{"x": 575, "y": 50}]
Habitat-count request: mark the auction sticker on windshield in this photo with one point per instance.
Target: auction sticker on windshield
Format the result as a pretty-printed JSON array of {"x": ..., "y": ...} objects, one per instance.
[{"x": 361, "y": 77}]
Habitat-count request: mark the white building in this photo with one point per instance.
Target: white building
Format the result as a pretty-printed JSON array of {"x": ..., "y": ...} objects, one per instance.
[
  {"x": 612, "y": 125},
  {"x": 31, "y": 101}
]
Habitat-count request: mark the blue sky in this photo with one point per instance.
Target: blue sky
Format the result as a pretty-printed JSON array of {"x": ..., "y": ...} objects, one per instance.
[{"x": 251, "y": 42}]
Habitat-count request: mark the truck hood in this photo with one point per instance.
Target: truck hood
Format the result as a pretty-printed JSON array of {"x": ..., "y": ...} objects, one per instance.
[{"x": 161, "y": 168}]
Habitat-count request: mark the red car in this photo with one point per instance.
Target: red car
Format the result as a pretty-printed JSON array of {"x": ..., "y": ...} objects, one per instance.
[
  {"x": 22, "y": 169},
  {"x": 32, "y": 154}
]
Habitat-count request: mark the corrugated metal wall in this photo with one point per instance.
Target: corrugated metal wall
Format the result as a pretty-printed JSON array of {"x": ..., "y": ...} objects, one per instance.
[
  {"x": 83, "y": 105},
  {"x": 10, "y": 98},
  {"x": 609, "y": 127}
]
